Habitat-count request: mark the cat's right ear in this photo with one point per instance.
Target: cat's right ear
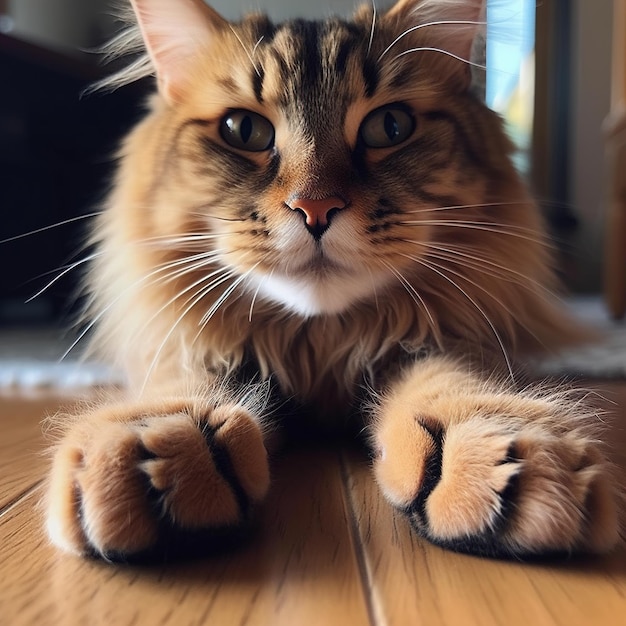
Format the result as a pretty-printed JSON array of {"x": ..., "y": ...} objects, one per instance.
[{"x": 174, "y": 32}]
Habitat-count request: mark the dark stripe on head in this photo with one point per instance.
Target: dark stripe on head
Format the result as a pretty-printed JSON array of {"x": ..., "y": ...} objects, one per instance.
[
  {"x": 258, "y": 75},
  {"x": 265, "y": 29},
  {"x": 308, "y": 32},
  {"x": 342, "y": 56},
  {"x": 400, "y": 80},
  {"x": 370, "y": 76},
  {"x": 282, "y": 65},
  {"x": 342, "y": 37}
]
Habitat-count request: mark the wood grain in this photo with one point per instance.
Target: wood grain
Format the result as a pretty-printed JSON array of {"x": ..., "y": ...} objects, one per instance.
[
  {"x": 22, "y": 458},
  {"x": 413, "y": 582},
  {"x": 327, "y": 550},
  {"x": 299, "y": 569}
]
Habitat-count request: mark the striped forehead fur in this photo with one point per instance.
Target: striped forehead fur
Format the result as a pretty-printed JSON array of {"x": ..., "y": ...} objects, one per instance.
[{"x": 129, "y": 42}]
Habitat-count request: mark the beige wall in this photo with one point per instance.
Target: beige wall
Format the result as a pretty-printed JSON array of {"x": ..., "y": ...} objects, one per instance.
[
  {"x": 283, "y": 9},
  {"x": 71, "y": 24},
  {"x": 58, "y": 24},
  {"x": 75, "y": 24}
]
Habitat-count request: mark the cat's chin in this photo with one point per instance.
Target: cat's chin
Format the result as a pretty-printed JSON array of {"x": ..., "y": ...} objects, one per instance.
[{"x": 317, "y": 295}]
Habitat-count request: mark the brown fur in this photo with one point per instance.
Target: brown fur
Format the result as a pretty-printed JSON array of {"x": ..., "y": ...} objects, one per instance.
[{"x": 440, "y": 241}]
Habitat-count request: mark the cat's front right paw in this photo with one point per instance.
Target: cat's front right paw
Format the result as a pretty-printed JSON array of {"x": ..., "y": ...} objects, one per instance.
[{"x": 122, "y": 479}]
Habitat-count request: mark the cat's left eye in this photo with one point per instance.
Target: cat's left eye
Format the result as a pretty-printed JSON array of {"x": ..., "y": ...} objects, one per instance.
[
  {"x": 387, "y": 126},
  {"x": 247, "y": 130}
]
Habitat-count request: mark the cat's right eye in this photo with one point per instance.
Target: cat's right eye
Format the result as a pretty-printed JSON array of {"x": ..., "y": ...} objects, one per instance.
[{"x": 247, "y": 130}]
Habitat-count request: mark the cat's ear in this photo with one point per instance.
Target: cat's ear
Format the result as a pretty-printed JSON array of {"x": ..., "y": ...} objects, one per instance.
[
  {"x": 174, "y": 32},
  {"x": 450, "y": 26}
]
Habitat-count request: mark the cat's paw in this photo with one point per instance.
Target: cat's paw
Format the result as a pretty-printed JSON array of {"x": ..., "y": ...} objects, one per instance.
[
  {"x": 119, "y": 482},
  {"x": 499, "y": 489}
]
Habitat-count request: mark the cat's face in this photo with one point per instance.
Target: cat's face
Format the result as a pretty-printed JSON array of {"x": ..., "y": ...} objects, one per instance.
[{"x": 321, "y": 159}]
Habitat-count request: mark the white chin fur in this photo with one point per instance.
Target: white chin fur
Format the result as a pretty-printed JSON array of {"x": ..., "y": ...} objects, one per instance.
[{"x": 316, "y": 295}]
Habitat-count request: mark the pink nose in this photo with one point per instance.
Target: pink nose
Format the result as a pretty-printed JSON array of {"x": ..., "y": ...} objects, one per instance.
[{"x": 316, "y": 212}]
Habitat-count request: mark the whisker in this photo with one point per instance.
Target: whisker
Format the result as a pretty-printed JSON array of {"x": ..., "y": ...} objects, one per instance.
[
  {"x": 410, "y": 290},
  {"x": 465, "y": 206},
  {"x": 168, "y": 277},
  {"x": 216, "y": 217},
  {"x": 374, "y": 290},
  {"x": 438, "y": 270},
  {"x": 452, "y": 254},
  {"x": 65, "y": 271},
  {"x": 206, "y": 318},
  {"x": 256, "y": 45},
  {"x": 471, "y": 282},
  {"x": 371, "y": 39},
  {"x": 256, "y": 293},
  {"x": 220, "y": 272},
  {"x": 166, "y": 240},
  {"x": 426, "y": 24},
  {"x": 194, "y": 300},
  {"x": 500, "y": 303},
  {"x": 475, "y": 266},
  {"x": 51, "y": 226},
  {"x": 442, "y": 51},
  {"x": 254, "y": 65},
  {"x": 227, "y": 274},
  {"x": 505, "y": 229}
]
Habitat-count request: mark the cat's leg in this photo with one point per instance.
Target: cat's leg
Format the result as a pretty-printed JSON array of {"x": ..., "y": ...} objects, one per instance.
[
  {"x": 480, "y": 468},
  {"x": 124, "y": 475}
]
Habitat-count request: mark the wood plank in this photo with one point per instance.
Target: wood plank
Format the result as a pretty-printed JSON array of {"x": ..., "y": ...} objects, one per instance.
[
  {"x": 416, "y": 583},
  {"x": 413, "y": 582},
  {"x": 22, "y": 459},
  {"x": 301, "y": 568}
]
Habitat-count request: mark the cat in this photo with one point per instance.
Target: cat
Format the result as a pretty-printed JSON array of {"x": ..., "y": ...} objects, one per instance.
[{"x": 324, "y": 215}]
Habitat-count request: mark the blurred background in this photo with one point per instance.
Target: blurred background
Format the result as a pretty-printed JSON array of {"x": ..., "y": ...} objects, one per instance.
[{"x": 548, "y": 72}]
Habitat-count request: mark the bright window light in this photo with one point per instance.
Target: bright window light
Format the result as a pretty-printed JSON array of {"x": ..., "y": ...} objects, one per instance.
[{"x": 510, "y": 86}]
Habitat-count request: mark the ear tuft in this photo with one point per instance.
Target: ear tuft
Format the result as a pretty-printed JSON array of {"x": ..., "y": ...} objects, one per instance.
[
  {"x": 174, "y": 32},
  {"x": 449, "y": 26}
]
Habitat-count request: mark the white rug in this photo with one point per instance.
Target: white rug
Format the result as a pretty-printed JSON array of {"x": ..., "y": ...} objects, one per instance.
[
  {"x": 603, "y": 359},
  {"x": 30, "y": 358}
]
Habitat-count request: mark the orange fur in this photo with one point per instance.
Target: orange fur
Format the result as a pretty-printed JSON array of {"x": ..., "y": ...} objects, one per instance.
[{"x": 203, "y": 268}]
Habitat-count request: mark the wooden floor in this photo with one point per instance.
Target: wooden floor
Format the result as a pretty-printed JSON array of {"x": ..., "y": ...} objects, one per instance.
[{"x": 328, "y": 550}]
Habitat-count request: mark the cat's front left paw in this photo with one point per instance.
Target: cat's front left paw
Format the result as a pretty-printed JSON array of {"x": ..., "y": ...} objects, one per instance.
[
  {"x": 499, "y": 490},
  {"x": 123, "y": 480}
]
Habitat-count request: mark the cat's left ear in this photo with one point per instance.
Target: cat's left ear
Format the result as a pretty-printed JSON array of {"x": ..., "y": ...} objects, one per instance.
[
  {"x": 449, "y": 26},
  {"x": 174, "y": 33}
]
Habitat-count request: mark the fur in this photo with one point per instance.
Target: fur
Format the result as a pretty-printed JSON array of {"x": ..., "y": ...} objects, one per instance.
[{"x": 437, "y": 255}]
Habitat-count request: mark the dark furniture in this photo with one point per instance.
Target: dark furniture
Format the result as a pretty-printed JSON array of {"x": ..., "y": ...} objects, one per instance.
[{"x": 56, "y": 155}]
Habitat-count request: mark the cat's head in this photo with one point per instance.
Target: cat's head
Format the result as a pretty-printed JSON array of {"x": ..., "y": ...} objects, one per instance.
[{"x": 324, "y": 163}]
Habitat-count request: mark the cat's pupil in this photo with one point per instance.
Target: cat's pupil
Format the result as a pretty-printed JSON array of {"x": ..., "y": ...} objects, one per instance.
[
  {"x": 391, "y": 126},
  {"x": 246, "y": 128}
]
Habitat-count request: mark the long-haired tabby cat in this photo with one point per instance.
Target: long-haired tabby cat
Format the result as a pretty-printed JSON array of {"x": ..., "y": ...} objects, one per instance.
[{"x": 327, "y": 210}]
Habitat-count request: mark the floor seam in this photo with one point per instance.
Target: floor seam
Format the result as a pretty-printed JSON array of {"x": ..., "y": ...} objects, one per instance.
[
  {"x": 9, "y": 506},
  {"x": 357, "y": 544}
]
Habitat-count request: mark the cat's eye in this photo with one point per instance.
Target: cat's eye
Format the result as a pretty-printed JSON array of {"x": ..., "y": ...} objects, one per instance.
[
  {"x": 247, "y": 130},
  {"x": 387, "y": 126}
]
